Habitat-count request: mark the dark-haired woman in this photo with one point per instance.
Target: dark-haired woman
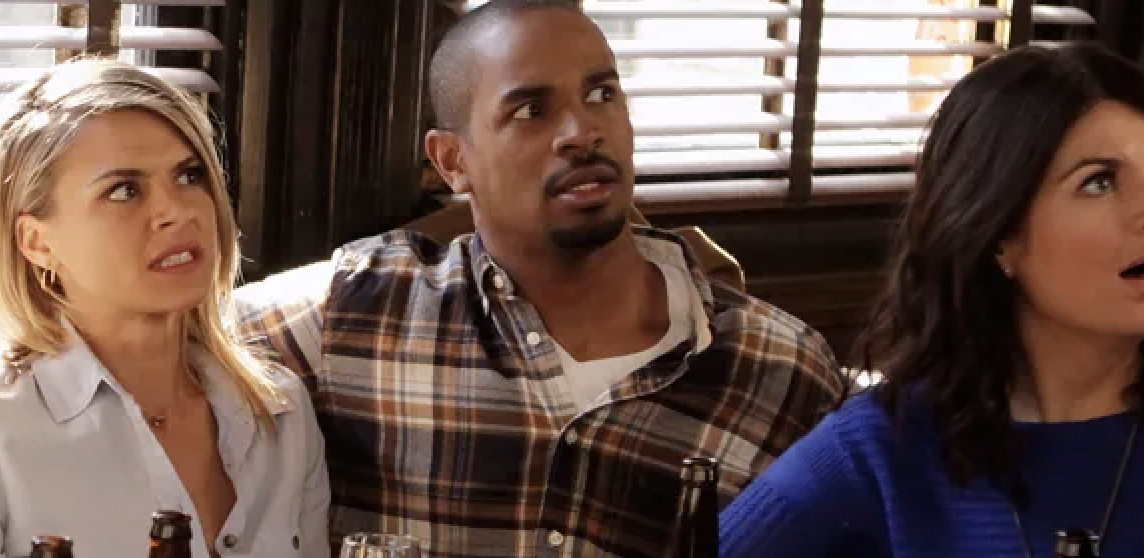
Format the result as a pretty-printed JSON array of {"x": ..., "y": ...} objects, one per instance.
[{"x": 1009, "y": 335}]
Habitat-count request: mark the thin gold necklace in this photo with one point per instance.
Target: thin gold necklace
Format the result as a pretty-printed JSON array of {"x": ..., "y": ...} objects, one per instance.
[
  {"x": 1108, "y": 510},
  {"x": 156, "y": 422}
]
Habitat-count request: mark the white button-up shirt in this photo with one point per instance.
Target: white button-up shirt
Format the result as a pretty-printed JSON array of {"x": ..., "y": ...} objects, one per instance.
[{"x": 78, "y": 459}]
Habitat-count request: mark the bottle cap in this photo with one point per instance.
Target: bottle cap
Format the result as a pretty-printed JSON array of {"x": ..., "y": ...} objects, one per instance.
[
  {"x": 170, "y": 525},
  {"x": 1077, "y": 543},
  {"x": 699, "y": 470}
]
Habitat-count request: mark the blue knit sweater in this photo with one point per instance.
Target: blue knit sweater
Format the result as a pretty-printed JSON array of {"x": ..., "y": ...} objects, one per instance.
[{"x": 859, "y": 486}]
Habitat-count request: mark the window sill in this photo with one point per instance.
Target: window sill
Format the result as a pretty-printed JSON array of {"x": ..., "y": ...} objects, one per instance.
[{"x": 756, "y": 194}]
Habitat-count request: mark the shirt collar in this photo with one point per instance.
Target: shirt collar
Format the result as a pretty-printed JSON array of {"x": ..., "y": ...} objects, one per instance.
[
  {"x": 657, "y": 246},
  {"x": 70, "y": 380},
  {"x": 487, "y": 273}
]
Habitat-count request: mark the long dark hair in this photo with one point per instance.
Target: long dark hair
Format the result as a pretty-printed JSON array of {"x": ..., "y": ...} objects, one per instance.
[{"x": 944, "y": 331}]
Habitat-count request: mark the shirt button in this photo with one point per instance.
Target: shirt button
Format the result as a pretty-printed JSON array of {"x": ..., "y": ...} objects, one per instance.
[
  {"x": 533, "y": 338},
  {"x": 555, "y": 539},
  {"x": 570, "y": 437},
  {"x": 498, "y": 281},
  {"x": 230, "y": 541}
]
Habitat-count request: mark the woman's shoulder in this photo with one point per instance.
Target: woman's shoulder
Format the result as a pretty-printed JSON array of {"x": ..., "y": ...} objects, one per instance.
[
  {"x": 862, "y": 437},
  {"x": 856, "y": 443},
  {"x": 862, "y": 415},
  {"x": 278, "y": 390},
  {"x": 836, "y": 446},
  {"x": 818, "y": 493},
  {"x": 868, "y": 415},
  {"x": 288, "y": 387},
  {"x": 283, "y": 378},
  {"x": 19, "y": 396},
  {"x": 45, "y": 390}
]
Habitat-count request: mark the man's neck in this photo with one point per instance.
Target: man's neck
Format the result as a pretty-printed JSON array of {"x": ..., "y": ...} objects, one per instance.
[{"x": 607, "y": 303}]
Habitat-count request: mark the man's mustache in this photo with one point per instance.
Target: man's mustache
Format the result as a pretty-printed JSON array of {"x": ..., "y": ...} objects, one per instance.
[{"x": 553, "y": 181}]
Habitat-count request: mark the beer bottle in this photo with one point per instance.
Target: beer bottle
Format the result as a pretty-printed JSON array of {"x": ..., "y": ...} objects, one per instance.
[
  {"x": 699, "y": 509},
  {"x": 170, "y": 535},
  {"x": 1077, "y": 543},
  {"x": 51, "y": 546}
]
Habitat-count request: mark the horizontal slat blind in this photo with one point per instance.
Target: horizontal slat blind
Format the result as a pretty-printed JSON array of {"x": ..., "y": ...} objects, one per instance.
[
  {"x": 131, "y": 37},
  {"x": 30, "y": 34},
  {"x": 139, "y": 2},
  {"x": 194, "y": 80},
  {"x": 626, "y": 49},
  {"x": 704, "y": 104},
  {"x": 602, "y": 10}
]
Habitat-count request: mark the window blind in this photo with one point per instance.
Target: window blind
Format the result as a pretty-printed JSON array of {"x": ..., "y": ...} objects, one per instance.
[
  {"x": 722, "y": 113},
  {"x": 31, "y": 33}
]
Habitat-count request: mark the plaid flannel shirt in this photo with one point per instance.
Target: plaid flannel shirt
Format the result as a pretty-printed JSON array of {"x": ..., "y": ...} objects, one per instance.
[{"x": 447, "y": 415}]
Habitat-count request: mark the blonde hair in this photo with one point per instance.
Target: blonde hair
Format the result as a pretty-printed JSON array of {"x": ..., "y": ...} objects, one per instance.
[{"x": 38, "y": 121}]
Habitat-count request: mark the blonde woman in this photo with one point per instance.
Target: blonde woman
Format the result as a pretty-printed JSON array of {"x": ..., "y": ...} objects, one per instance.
[{"x": 123, "y": 389}]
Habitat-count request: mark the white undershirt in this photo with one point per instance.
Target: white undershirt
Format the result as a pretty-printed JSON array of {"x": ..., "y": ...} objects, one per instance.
[{"x": 591, "y": 379}]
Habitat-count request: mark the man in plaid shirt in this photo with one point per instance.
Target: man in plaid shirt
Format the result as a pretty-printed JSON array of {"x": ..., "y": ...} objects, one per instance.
[{"x": 532, "y": 389}]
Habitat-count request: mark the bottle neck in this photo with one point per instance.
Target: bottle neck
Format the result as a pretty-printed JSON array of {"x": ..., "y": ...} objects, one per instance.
[{"x": 699, "y": 522}]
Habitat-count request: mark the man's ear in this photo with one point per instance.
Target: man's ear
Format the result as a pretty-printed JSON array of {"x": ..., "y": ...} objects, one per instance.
[
  {"x": 444, "y": 149},
  {"x": 30, "y": 237}
]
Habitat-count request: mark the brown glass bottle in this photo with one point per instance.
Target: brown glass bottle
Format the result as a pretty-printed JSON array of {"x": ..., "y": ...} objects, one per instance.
[
  {"x": 699, "y": 508},
  {"x": 170, "y": 535},
  {"x": 51, "y": 546},
  {"x": 1077, "y": 543}
]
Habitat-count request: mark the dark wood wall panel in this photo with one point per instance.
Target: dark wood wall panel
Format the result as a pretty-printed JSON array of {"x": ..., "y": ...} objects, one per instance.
[
  {"x": 329, "y": 138},
  {"x": 836, "y": 304}
]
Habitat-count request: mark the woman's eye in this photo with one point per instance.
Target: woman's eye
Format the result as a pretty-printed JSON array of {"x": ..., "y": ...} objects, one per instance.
[
  {"x": 192, "y": 175},
  {"x": 1100, "y": 183},
  {"x": 123, "y": 191}
]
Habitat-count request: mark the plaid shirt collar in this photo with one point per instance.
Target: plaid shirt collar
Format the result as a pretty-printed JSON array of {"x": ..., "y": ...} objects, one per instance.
[{"x": 658, "y": 247}]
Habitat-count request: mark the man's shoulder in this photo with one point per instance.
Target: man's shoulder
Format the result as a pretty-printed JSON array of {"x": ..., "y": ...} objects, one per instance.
[
  {"x": 743, "y": 314},
  {"x": 397, "y": 246},
  {"x": 400, "y": 259},
  {"x": 397, "y": 253},
  {"x": 767, "y": 335}
]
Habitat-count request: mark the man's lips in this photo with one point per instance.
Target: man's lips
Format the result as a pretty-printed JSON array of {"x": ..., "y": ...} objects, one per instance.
[{"x": 595, "y": 175}]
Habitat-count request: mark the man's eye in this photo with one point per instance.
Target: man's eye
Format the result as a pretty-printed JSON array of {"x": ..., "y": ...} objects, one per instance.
[
  {"x": 602, "y": 94},
  {"x": 527, "y": 112}
]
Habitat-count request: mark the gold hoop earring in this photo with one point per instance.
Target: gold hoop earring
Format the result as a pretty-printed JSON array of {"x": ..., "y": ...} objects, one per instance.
[
  {"x": 48, "y": 280},
  {"x": 50, "y": 283}
]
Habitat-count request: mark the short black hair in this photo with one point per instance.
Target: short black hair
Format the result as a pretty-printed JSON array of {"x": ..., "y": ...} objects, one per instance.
[{"x": 450, "y": 78}]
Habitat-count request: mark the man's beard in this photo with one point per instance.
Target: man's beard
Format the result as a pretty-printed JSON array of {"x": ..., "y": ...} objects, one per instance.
[{"x": 582, "y": 240}]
